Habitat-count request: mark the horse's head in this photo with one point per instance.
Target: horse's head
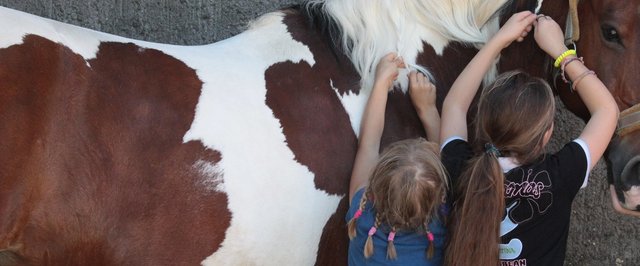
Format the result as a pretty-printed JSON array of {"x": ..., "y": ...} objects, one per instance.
[
  {"x": 610, "y": 43},
  {"x": 624, "y": 158}
]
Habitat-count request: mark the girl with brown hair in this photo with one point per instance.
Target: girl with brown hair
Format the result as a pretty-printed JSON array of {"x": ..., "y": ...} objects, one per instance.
[
  {"x": 396, "y": 216},
  {"x": 513, "y": 202}
]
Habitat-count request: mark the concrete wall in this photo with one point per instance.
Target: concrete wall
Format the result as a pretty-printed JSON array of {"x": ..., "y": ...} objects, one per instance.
[
  {"x": 165, "y": 21},
  {"x": 598, "y": 235}
]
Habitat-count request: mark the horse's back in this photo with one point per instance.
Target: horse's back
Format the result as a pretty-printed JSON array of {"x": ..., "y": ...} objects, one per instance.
[{"x": 128, "y": 152}]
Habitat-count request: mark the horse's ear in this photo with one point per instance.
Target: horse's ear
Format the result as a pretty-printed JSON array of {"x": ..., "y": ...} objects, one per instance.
[{"x": 9, "y": 257}]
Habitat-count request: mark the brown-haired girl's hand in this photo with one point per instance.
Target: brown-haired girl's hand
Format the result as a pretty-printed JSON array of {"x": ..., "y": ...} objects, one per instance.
[
  {"x": 516, "y": 28},
  {"x": 549, "y": 36},
  {"x": 387, "y": 69}
]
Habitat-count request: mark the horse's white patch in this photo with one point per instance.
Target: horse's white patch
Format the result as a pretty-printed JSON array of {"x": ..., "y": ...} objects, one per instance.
[
  {"x": 354, "y": 105},
  {"x": 277, "y": 213},
  {"x": 85, "y": 42},
  {"x": 16, "y": 25}
]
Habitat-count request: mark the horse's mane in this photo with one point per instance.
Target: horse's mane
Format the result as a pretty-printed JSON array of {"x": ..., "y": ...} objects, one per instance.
[{"x": 366, "y": 30}]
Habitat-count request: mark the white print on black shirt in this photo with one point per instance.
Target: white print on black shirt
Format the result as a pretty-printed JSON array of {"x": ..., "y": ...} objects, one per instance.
[
  {"x": 513, "y": 249},
  {"x": 530, "y": 194}
]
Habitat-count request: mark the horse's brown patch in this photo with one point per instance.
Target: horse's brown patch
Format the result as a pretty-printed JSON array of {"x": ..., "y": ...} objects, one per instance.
[
  {"x": 316, "y": 126},
  {"x": 314, "y": 122},
  {"x": 94, "y": 169}
]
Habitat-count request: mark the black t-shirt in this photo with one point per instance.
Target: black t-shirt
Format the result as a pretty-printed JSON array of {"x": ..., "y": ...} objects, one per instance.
[{"x": 538, "y": 199}]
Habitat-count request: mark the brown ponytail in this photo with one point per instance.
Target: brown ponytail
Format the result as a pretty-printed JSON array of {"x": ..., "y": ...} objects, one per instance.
[{"x": 477, "y": 214}]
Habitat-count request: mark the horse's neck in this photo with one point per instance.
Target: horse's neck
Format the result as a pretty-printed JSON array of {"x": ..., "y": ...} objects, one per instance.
[{"x": 371, "y": 29}]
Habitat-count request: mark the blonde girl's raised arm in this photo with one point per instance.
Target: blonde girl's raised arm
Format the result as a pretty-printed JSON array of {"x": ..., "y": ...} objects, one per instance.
[
  {"x": 464, "y": 89},
  {"x": 423, "y": 97},
  {"x": 373, "y": 123},
  {"x": 595, "y": 95}
]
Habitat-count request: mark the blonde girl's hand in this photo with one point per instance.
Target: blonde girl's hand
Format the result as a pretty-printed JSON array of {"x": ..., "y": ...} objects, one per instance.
[
  {"x": 516, "y": 28},
  {"x": 549, "y": 36},
  {"x": 423, "y": 96},
  {"x": 387, "y": 70},
  {"x": 422, "y": 92}
]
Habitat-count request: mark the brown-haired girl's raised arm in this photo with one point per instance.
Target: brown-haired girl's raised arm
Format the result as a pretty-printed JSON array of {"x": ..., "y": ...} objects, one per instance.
[
  {"x": 463, "y": 90},
  {"x": 603, "y": 108}
]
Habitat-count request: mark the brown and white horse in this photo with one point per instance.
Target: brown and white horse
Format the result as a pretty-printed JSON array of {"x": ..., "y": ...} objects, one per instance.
[{"x": 123, "y": 152}]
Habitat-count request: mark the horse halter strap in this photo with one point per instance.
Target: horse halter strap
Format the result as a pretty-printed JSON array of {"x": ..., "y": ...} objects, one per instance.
[
  {"x": 572, "y": 31},
  {"x": 629, "y": 120}
]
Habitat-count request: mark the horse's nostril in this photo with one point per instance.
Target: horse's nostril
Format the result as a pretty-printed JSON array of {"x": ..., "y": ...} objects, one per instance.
[{"x": 630, "y": 175}]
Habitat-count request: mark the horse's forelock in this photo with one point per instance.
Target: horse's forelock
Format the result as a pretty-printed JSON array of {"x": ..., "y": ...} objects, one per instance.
[{"x": 367, "y": 30}]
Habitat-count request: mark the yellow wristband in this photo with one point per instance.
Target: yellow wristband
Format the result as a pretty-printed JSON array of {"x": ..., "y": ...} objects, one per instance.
[{"x": 563, "y": 56}]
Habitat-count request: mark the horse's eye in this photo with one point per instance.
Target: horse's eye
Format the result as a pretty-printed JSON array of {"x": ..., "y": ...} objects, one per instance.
[{"x": 611, "y": 34}]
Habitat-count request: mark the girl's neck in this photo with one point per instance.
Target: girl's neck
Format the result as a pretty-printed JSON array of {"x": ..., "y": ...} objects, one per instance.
[{"x": 508, "y": 163}]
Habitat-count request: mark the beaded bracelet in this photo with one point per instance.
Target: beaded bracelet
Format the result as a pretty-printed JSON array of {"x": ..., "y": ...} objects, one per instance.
[
  {"x": 565, "y": 63},
  {"x": 562, "y": 56},
  {"x": 579, "y": 78}
]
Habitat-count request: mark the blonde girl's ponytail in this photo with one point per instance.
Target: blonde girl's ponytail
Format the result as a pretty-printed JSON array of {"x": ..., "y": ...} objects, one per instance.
[
  {"x": 391, "y": 248},
  {"x": 431, "y": 248},
  {"x": 368, "y": 246},
  {"x": 351, "y": 226}
]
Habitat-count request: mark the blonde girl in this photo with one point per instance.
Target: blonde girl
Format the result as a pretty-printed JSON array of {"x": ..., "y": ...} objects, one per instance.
[{"x": 395, "y": 216}]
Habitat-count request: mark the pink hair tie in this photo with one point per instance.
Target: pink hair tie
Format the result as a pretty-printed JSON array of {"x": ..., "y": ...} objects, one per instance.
[
  {"x": 392, "y": 235},
  {"x": 430, "y": 236},
  {"x": 372, "y": 230},
  {"x": 358, "y": 214}
]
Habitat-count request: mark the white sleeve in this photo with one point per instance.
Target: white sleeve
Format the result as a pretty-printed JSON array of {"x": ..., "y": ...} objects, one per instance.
[
  {"x": 450, "y": 139},
  {"x": 585, "y": 148}
]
